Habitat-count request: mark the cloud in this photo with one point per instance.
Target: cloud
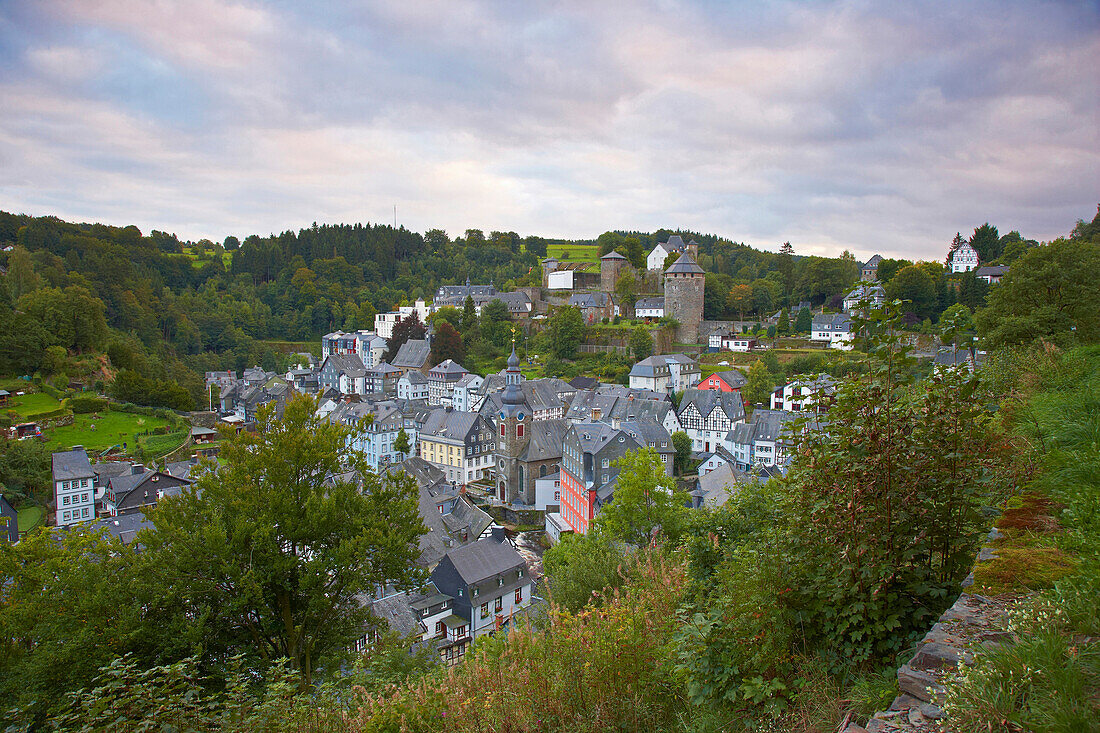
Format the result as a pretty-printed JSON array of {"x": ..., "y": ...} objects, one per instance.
[{"x": 835, "y": 125}]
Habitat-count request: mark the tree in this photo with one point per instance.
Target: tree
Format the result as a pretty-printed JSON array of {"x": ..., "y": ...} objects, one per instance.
[
  {"x": 447, "y": 344},
  {"x": 986, "y": 241},
  {"x": 804, "y": 321},
  {"x": 468, "y": 323},
  {"x": 408, "y": 328},
  {"x": 273, "y": 548},
  {"x": 494, "y": 319},
  {"x": 646, "y": 501},
  {"x": 681, "y": 441},
  {"x": 915, "y": 285},
  {"x": 25, "y": 471},
  {"x": 641, "y": 343},
  {"x": 22, "y": 278},
  {"x": 582, "y": 566},
  {"x": 740, "y": 299},
  {"x": 401, "y": 443},
  {"x": 626, "y": 287},
  {"x": 535, "y": 246},
  {"x": 566, "y": 332},
  {"x": 758, "y": 385},
  {"x": 1050, "y": 293},
  {"x": 783, "y": 325}
]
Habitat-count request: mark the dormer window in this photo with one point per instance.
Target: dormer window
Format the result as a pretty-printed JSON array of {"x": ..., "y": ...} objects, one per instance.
[{"x": 500, "y": 582}]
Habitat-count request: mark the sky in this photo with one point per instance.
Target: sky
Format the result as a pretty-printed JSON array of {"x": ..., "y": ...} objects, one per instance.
[{"x": 868, "y": 126}]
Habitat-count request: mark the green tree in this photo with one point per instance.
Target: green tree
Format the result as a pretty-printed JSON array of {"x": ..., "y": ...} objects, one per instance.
[
  {"x": 494, "y": 322},
  {"x": 566, "y": 332},
  {"x": 681, "y": 441},
  {"x": 405, "y": 329},
  {"x": 783, "y": 325},
  {"x": 468, "y": 323},
  {"x": 987, "y": 242},
  {"x": 1050, "y": 293},
  {"x": 25, "y": 472},
  {"x": 915, "y": 285},
  {"x": 274, "y": 548},
  {"x": 804, "y": 321},
  {"x": 581, "y": 567},
  {"x": 646, "y": 501},
  {"x": 758, "y": 385},
  {"x": 401, "y": 443},
  {"x": 626, "y": 288},
  {"x": 641, "y": 343},
  {"x": 22, "y": 278}
]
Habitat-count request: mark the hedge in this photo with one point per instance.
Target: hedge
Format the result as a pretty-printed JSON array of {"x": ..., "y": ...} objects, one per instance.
[{"x": 81, "y": 405}]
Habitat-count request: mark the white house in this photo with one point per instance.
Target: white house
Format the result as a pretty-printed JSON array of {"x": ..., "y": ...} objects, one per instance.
[
  {"x": 708, "y": 415},
  {"x": 863, "y": 291},
  {"x": 762, "y": 441},
  {"x": 73, "y": 486},
  {"x": 992, "y": 274},
  {"x": 834, "y": 329},
  {"x": 412, "y": 385},
  {"x": 964, "y": 259},
  {"x": 466, "y": 395},
  {"x": 655, "y": 260},
  {"x": 548, "y": 491},
  {"x": 802, "y": 393},
  {"x": 666, "y": 373},
  {"x": 649, "y": 308},
  {"x": 384, "y": 322}
]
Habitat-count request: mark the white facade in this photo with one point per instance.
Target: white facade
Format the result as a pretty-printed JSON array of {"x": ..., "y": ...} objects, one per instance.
[
  {"x": 650, "y": 308},
  {"x": 801, "y": 394},
  {"x": 376, "y": 441},
  {"x": 548, "y": 492},
  {"x": 466, "y": 396},
  {"x": 655, "y": 260},
  {"x": 485, "y": 613},
  {"x": 964, "y": 259},
  {"x": 408, "y": 389},
  {"x": 384, "y": 322},
  {"x": 739, "y": 343},
  {"x": 74, "y": 487},
  {"x": 560, "y": 280}
]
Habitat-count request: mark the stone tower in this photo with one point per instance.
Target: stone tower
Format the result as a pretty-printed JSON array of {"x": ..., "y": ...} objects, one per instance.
[
  {"x": 515, "y": 432},
  {"x": 550, "y": 264},
  {"x": 611, "y": 266},
  {"x": 684, "y": 282}
]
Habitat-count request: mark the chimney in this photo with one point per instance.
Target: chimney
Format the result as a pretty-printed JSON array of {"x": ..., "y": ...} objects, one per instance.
[
  {"x": 137, "y": 469},
  {"x": 597, "y": 413}
]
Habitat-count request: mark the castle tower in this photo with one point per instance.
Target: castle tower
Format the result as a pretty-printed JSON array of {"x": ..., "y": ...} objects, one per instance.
[
  {"x": 684, "y": 284},
  {"x": 515, "y": 432},
  {"x": 611, "y": 266},
  {"x": 550, "y": 264}
]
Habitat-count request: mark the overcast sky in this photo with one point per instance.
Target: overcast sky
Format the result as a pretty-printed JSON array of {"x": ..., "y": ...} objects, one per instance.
[{"x": 876, "y": 127}]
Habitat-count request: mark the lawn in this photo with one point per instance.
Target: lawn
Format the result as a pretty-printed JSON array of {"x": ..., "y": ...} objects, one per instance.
[
  {"x": 28, "y": 405},
  {"x": 576, "y": 252},
  {"x": 111, "y": 428},
  {"x": 159, "y": 445},
  {"x": 30, "y": 517}
]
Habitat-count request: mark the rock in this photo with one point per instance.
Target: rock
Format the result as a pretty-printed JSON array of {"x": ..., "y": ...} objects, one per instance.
[
  {"x": 918, "y": 683},
  {"x": 967, "y": 581},
  {"x": 904, "y": 702},
  {"x": 936, "y": 656},
  {"x": 930, "y": 711},
  {"x": 995, "y": 534},
  {"x": 855, "y": 728},
  {"x": 915, "y": 717},
  {"x": 874, "y": 725},
  {"x": 986, "y": 553}
]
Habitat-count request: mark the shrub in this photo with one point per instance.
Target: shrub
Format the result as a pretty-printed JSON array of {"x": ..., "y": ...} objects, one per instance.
[{"x": 81, "y": 404}]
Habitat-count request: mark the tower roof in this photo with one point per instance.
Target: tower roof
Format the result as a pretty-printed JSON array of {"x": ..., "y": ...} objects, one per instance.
[
  {"x": 685, "y": 265},
  {"x": 612, "y": 255}
]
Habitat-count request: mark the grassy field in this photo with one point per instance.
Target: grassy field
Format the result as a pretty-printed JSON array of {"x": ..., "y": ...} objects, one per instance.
[
  {"x": 159, "y": 445},
  {"x": 28, "y": 405},
  {"x": 290, "y": 347},
  {"x": 30, "y": 517},
  {"x": 111, "y": 428},
  {"x": 576, "y": 252}
]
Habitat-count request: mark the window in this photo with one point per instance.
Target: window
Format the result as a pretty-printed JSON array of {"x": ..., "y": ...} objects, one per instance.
[
  {"x": 64, "y": 501},
  {"x": 485, "y": 609},
  {"x": 519, "y": 595},
  {"x": 606, "y": 463},
  {"x": 474, "y": 592},
  {"x": 519, "y": 431},
  {"x": 85, "y": 511},
  {"x": 499, "y": 604},
  {"x": 439, "y": 627},
  {"x": 65, "y": 517},
  {"x": 557, "y": 496},
  {"x": 502, "y": 430},
  {"x": 500, "y": 582},
  {"x": 84, "y": 497}
]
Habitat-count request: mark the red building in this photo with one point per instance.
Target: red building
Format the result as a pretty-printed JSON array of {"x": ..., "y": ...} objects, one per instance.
[{"x": 731, "y": 380}]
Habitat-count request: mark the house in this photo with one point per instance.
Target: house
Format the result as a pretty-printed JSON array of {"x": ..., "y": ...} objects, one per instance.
[
  {"x": 467, "y": 395},
  {"x": 490, "y": 584},
  {"x": 74, "y": 486},
  {"x": 615, "y": 406},
  {"x": 574, "y": 276},
  {"x": 949, "y": 357},
  {"x": 455, "y": 295},
  {"x": 730, "y": 380},
  {"x": 730, "y": 342},
  {"x": 441, "y": 381},
  {"x": 382, "y": 380},
  {"x": 869, "y": 269},
  {"x": 992, "y": 274},
  {"x": 710, "y": 461},
  {"x": 874, "y": 294},
  {"x": 763, "y": 441},
  {"x": 384, "y": 322},
  {"x": 666, "y": 373},
  {"x": 413, "y": 356},
  {"x": 9, "y": 522},
  {"x": 715, "y": 487},
  {"x": 451, "y": 520},
  {"x": 375, "y": 429},
  {"x": 307, "y": 381},
  {"x": 415, "y": 615},
  {"x": 412, "y": 385},
  {"x": 589, "y": 470},
  {"x": 707, "y": 416},
  {"x": 649, "y": 308},
  {"x": 655, "y": 260},
  {"x": 834, "y": 329},
  {"x": 461, "y": 444},
  {"x": 963, "y": 259},
  {"x": 343, "y": 372},
  {"x": 548, "y": 492},
  {"x": 141, "y": 488},
  {"x": 201, "y": 435},
  {"x": 594, "y": 306},
  {"x": 804, "y": 393}
]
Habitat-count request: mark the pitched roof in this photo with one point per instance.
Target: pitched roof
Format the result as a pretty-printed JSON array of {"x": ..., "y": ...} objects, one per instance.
[
  {"x": 448, "y": 367},
  {"x": 649, "y": 303},
  {"x": 484, "y": 559},
  {"x": 347, "y": 364},
  {"x": 413, "y": 354},
  {"x": 991, "y": 271},
  {"x": 685, "y": 265},
  {"x": 706, "y": 400},
  {"x": 454, "y": 424},
  {"x": 547, "y": 437},
  {"x": 873, "y": 262},
  {"x": 415, "y": 377},
  {"x": 733, "y": 377},
  {"x": 71, "y": 464},
  {"x": 613, "y": 255}
]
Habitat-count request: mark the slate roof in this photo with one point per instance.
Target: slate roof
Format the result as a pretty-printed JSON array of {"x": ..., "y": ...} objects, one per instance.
[
  {"x": 584, "y": 382},
  {"x": 547, "y": 437},
  {"x": 415, "y": 377},
  {"x": 705, "y": 400},
  {"x": 649, "y": 303},
  {"x": 348, "y": 364},
  {"x": 715, "y": 488},
  {"x": 448, "y": 368},
  {"x": 413, "y": 354},
  {"x": 123, "y": 527},
  {"x": 991, "y": 271},
  {"x": 647, "y": 432},
  {"x": 589, "y": 300},
  {"x": 733, "y": 377},
  {"x": 71, "y": 464},
  {"x": 454, "y": 424},
  {"x": 485, "y": 559},
  {"x": 685, "y": 266},
  {"x": 821, "y": 382},
  {"x": 838, "y": 322},
  {"x": 613, "y": 255},
  {"x": 873, "y": 262}
]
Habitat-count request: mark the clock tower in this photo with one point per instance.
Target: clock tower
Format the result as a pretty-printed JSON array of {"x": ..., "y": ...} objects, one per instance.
[{"x": 514, "y": 433}]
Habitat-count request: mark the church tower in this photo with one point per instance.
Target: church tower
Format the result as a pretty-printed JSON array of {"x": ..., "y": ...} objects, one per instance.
[{"x": 515, "y": 432}]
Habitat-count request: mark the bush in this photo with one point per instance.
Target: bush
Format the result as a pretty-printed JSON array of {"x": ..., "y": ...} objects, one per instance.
[{"x": 81, "y": 405}]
